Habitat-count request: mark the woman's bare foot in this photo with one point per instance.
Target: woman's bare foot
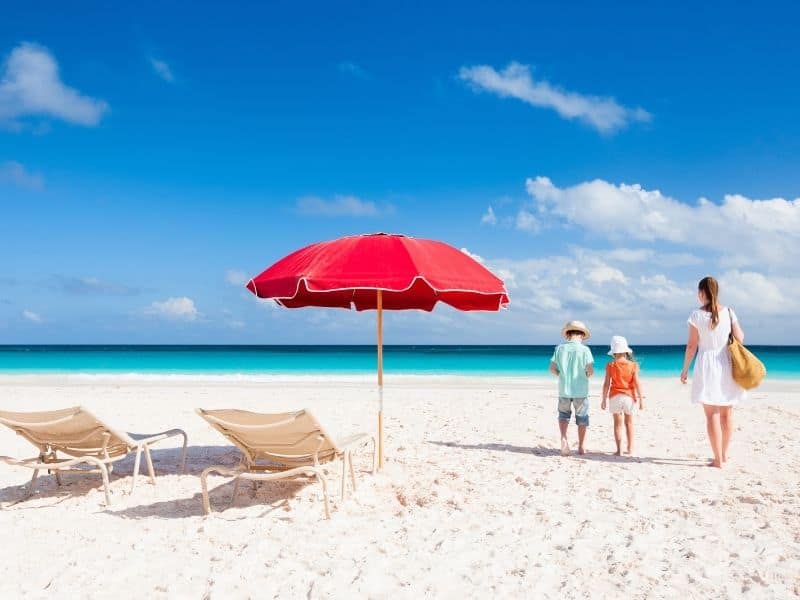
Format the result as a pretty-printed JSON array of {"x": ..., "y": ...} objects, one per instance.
[
  {"x": 617, "y": 453},
  {"x": 564, "y": 447},
  {"x": 714, "y": 463},
  {"x": 581, "y": 450}
]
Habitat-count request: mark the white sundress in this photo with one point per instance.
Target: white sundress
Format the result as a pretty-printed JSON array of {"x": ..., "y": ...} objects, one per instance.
[{"x": 713, "y": 382}]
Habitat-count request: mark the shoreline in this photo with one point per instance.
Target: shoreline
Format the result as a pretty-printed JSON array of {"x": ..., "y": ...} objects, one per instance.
[{"x": 781, "y": 385}]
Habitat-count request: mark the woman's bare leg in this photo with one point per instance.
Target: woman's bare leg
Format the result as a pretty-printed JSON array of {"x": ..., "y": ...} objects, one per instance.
[
  {"x": 714, "y": 432},
  {"x": 629, "y": 433},
  {"x": 618, "y": 432},
  {"x": 726, "y": 425}
]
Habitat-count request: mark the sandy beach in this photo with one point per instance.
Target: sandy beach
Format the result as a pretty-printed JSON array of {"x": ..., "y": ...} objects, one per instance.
[{"x": 474, "y": 500}]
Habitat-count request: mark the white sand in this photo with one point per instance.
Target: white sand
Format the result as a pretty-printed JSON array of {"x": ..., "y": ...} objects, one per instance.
[{"x": 474, "y": 499}]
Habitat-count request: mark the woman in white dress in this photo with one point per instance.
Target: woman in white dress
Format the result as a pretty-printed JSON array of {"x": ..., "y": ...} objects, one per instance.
[{"x": 712, "y": 383}]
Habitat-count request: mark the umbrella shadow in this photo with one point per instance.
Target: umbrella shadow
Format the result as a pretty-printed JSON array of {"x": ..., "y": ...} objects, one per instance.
[{"x": 545, "y": 451}]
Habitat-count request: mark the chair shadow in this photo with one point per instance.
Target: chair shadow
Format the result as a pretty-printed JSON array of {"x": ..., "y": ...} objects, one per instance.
[
  {"x": 545, "y": 451},
  {"x": 165, "y": 462}
]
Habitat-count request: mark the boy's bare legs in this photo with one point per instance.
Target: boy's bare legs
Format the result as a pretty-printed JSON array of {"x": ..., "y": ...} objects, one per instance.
[
  {"x": 618, "y": 432},
  {"x": 714, "y": 432},
  {"x": 726, "y": 425},
  {"x": 562, "y": 427},
  {"x": 629, "y": 433},
  {"x": 581, "y": 435}
]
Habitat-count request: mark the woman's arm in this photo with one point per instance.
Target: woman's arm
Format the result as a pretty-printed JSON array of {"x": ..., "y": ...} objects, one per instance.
[
  {"x": 691, "y": 350},
  {"x": 738, "y": 332}
]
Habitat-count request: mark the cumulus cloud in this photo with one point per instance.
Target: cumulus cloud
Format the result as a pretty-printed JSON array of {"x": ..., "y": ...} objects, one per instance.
[
  {"x": 31, "y": 86},
  {"x": 31, "y": 316},
  {"x": 340, "y": 206},
  {"x": 475, "y": 257},
  {"x": 740, "y": 232},
  {"x": 516, "y": 81},
  {"x": 16, "y": 174},
  {"x": 178, "y": 309},
  {"x": 527, "y": 222},
  {"x": 162, "y": 69},
  {"x": 489, "y": 218}
]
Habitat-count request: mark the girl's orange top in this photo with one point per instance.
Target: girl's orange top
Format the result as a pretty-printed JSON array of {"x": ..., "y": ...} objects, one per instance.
[{"x": 622, "y": 374}]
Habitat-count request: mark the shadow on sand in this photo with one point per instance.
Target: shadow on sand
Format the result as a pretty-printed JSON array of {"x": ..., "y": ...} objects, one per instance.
[
  {"x": 74, "y": 484},
  {"x": 545, "y": 451}
]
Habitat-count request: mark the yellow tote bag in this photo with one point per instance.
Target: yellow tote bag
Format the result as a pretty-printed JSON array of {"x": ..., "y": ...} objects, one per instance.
[{"x": 748, "y": 370}]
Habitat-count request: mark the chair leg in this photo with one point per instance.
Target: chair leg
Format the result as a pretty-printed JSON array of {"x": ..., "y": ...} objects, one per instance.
[
  {"x": 57, "y": 473},
  {"x": 30, "y": 485},
  {"x": 104, "y": 474},
  {"x": 182, "y": 464},
  {"x": 352, "y": 470},
  {"x": 324, "y": 483},
  {"x": 149, "y": 460},
  {"x": 344, "y": 475},
  {"x": 136, "y": 465}
]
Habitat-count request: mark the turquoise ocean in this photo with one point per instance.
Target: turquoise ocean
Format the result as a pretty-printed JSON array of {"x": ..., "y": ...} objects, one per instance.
[{"x": 525, "y": 361}]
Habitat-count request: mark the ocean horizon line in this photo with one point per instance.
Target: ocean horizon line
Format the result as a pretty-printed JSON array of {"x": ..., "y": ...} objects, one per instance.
[{"x": 253, "y": 359}]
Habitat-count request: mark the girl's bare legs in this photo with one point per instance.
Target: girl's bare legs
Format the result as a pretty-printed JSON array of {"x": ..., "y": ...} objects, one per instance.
[
  {"x": 629, "y": 433},
  {"x": 726, "y": 425},
  {"x": 714, "y": 432},
  {"x": 618, "y": 432}
]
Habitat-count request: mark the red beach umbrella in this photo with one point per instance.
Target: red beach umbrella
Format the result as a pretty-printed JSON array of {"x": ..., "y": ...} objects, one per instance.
[{"x": 380, "y": 272}]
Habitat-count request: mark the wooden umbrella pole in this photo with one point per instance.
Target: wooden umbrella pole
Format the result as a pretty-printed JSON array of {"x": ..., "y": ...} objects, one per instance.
[{"x": 380, "y": 379}]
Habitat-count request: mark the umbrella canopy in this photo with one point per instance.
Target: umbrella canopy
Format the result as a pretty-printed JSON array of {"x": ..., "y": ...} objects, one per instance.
[
  {"x": 376, "y": 272},
  {"x": 412, "y": 274}
]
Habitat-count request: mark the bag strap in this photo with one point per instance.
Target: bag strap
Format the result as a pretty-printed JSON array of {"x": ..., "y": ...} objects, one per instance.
[{"x": 731, "y": 338}]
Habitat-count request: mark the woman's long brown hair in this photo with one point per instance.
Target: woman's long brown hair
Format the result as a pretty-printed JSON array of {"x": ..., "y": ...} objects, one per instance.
[{"x": 710, "y": 288}]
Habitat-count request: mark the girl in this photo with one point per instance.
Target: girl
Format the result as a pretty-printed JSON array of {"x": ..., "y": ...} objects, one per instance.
[
  {"x": 713, "y": 385},
  {"x": 621, "y": 389}
]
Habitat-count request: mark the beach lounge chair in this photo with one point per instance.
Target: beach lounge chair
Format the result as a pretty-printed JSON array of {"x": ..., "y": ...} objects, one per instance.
[
  {"x": 84, "y": 440},
  {"x": 281, "y": 446}
]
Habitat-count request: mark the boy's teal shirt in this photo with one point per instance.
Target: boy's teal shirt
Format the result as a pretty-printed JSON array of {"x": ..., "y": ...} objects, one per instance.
[{"x": 571, "y": 360}]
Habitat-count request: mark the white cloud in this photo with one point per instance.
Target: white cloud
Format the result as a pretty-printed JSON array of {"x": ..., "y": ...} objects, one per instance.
[
  {"x": 31, "y": 316},
  {"x": 235, "y": 277},
  {"x": 16, "y": 174},
  {"x": 162, "y": 69},
  {"x": 605, "y": 274},
  {"x": 179, "y": 309},
  {"x": 756, "y": 293},
  {"x": 31, "y": 85},
  {"x": 351, "y": 68},
  {"x": 474, "y": 257},
  {"x": 740, "y": 232},
  {"x": 340, "y": 206},
  {"x": 516, "y": 81},
  {"x": 489, "y": 218},
  {"x": 527, "y": 222}
]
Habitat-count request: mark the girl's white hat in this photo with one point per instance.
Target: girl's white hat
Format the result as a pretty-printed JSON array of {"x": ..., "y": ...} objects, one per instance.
[{"x": 619, "y": 345}]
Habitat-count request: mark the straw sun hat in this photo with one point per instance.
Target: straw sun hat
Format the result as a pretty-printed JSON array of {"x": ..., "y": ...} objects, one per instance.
[
  {"x": 619, "y": 345},
  {"x": 576, "y": 326}
]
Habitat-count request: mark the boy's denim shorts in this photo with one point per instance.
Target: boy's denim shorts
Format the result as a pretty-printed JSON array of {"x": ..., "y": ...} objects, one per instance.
[{"x": 581, "y": 410}]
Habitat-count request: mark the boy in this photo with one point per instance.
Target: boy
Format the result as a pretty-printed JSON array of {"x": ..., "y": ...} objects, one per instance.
[{"x": 573, "y": 364}]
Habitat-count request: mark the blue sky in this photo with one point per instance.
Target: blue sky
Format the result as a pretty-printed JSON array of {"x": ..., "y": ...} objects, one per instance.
[{"x": 151, "y": 155}]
